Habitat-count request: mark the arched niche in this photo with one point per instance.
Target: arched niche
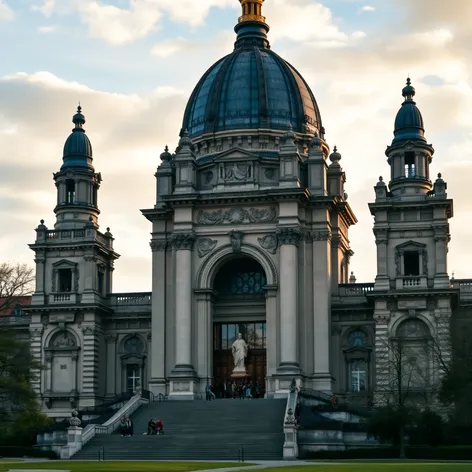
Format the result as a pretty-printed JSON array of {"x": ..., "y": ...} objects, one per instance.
[
  {"x": 412, "y": 350},
  {"x": 133, "y": 355},
  {"x": 62, "y": 361}
]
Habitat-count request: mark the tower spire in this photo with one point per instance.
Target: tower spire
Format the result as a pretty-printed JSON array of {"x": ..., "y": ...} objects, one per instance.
[
  {"x": 252, "y": 11},
  {"x": 252, "y": 28}
]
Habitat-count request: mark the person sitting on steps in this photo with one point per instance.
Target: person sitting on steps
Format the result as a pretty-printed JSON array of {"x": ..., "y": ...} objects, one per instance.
[
  {"x": 151, "y": 428},
  {"x": 159, "y": 426}
]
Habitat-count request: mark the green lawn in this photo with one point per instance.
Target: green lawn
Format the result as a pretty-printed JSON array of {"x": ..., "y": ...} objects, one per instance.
[
  {"x": 110, "y": 466},
  {"x": 379, "y": 467}
]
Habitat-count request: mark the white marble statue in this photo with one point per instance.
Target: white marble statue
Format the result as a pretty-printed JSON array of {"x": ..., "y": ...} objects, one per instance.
[{"x": 239, "y": 354}]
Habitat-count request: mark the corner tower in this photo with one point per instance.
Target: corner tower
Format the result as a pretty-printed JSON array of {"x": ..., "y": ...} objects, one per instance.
[
  {"x": 74, "y": 268},
  {"x": 411, "y": 226}
]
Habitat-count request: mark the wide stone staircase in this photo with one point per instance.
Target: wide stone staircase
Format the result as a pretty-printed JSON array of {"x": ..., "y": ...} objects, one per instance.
[{"x": 199, "y": 430}]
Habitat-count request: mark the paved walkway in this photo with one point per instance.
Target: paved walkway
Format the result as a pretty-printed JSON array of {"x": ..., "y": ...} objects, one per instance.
[{"x": 266, "y": 464}]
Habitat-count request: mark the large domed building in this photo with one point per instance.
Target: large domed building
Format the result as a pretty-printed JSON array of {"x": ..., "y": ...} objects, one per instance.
[{"x": 250, "y": 253}]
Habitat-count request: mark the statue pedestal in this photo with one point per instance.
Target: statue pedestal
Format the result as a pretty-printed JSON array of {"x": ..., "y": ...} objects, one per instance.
[{"x": 239, "y": 373}]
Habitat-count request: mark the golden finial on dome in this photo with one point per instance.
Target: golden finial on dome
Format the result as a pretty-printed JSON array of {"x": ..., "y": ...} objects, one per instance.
[{"x": 252, "y": 11}]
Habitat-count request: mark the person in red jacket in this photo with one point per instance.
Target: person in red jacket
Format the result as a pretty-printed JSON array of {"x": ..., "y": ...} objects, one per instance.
[{"x": 159, "y": 426}]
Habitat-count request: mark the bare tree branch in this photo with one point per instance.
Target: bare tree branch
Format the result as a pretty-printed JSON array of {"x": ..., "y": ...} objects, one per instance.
[{"x": 16, "y": 281}]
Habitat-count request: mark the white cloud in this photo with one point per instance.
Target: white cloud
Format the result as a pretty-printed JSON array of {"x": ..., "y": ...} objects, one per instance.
[
  {"x": 6, "y": 13},
  {"x": 169, "y": 47},
  {"x": 367, "y": 8},
  {"x": 46, "y": 29},
  {"x": 46, "y": 8}
]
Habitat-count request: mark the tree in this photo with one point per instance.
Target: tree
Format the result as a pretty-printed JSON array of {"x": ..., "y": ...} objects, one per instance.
[
  {"x": 404, "y": 382},
  {"x": 17, "y": 398},
  {"x": 16, "y": 281},
  {"x": 456, "y": 384}
]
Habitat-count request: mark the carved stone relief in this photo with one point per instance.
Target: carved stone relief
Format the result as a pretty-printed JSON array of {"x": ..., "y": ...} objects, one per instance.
[
  {"x": 205, "y": 246},
  {"x": 134, "y": 345},
  {"x": 181, "y": 387},
  {"x": 76, "y": 278},
  {"x": 237, "y": 216},
  {"x": 63, "y": 339},
  {"x": 269, "y": 243},
  {"x": 236, "y": 238},
  {"x": 321, "y": 235}
]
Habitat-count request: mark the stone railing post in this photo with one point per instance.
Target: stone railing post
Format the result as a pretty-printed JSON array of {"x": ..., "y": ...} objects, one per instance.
[
  {"x": 290, "y": 451},
  {"x": 74, "y": 437}
]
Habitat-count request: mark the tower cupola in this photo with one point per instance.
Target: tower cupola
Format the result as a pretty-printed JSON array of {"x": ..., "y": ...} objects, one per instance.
[
  {"x": 409, "y": 155},
  {"x": 77, "y": 183},
  {"x": 77, "y": 148}
]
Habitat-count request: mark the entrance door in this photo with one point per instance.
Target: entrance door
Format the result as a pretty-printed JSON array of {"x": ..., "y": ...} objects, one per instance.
[{"x": 256, "y": 362}]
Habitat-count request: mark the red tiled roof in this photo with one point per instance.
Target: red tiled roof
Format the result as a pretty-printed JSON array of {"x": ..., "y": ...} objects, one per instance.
[{"x": 10, "y": 309}]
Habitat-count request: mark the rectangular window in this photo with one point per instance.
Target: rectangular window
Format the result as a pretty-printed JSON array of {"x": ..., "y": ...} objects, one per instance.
[
  {"x": 133, "y": 377},
  {"x": 411, "y": 264},
  {"x": 357, "y": 374},
  {"x": 101, "y": 278},
  {"x": 253, "y": 333},
  {"x": 70, "y": 191},
  {"x": 65, "y": 280},
  {"x": 410, "y": 168}
]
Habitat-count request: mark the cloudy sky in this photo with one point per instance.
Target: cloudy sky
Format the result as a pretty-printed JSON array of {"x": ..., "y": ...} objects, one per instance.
[{"x": 133, "y": 63}]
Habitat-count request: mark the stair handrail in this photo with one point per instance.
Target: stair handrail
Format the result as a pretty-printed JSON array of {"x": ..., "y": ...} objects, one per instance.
[{"x": 290, "y": 425}]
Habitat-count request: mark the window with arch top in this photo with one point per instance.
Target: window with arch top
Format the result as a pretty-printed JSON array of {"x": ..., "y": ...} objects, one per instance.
[
  {"x": 243, "y": 276},
  {"x": 412, "y": 350}
]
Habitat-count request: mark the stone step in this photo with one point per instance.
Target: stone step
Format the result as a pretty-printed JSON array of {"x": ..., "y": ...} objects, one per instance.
[{"x": 199, "y": 430}]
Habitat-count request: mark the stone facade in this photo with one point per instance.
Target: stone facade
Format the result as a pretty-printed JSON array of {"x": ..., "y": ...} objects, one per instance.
[{"x": 250, "y": 228}]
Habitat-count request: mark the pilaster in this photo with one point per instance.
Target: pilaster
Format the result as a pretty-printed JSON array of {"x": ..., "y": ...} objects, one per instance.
[
  {"x": 382, "y": 366},
  {"x": 36, "y": 332},
  {"x": 111, "y": 365},
  {"x": 322, "y": 378},
  {"x": 157, "y": 382},
  {"x": 288, "y": 243},
  {"x": 182, "y": 384},
  {"x": 90, "y": 362}
]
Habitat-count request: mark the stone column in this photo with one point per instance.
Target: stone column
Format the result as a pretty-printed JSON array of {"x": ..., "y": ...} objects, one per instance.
[
  {"x": 272, "y": 341},
  {"x": 183, "y": 245},
  {"x": 157, "y": 383},
  {"x": 205, "y": 336},
  {"x": 288, "y": 242},
  {"x": 90, "y": 361},
  {"x": 382, "y": 281},
  {"x": 111, "y": 365},
  {"x": 441, "y": 278},
  {"x": 322, "y": 378},
  {"x": 36, "y": 332}
]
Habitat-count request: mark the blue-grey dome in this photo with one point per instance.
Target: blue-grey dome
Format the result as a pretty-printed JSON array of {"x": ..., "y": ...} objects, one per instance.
[
  {"x": 409, "y": 122},
  {"x": 251, "y": 88},
  {"x": 77, "y": 148}
]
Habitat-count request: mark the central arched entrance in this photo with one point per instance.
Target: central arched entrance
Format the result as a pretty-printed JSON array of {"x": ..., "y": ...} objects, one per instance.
[{"x": 240, "y": 307}]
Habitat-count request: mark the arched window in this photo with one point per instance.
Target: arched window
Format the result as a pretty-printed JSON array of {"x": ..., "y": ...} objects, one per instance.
[
  {"x": 242, "y": 276},
  {"x": 133, "y": 363},
  {"x": 412, "y": 353},
  {"x": 70, "y": 191},
  {"x": 357, "y": 338},
  {"x": 357, "y": 360}
]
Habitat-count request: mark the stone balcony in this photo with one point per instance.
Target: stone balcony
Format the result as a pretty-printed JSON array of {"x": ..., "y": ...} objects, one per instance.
[
  {"x": 411, "y": 283},
  {"x": 139, "y": 302},
  {"x": 73, "y": 235},
  {"x": 61, "y": 298},
  {"x": 465, "y": 288}
]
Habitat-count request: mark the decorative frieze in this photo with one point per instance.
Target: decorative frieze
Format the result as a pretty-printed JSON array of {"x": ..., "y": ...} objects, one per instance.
[
  {"x": 237, "y": 216},
  {"x": 289, "y": 236},
  {"x": 236, "y": 239},
  {"x": 89, "y": 330},
  {"x": 183, "y": 241},
  {"x": 205, "y": 246},
  {"x": 269, "y": 243}
]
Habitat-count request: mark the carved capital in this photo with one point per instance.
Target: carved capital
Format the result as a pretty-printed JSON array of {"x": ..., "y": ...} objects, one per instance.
[
  {"x": 183, "y": 241},
  {"x": 236, "y": 238},
  {"x": 205, "y": 246},
  {"x": 321, "y": 235},
  {"x": 269, "y": 243},
  {"x": 88, "y": 330},
  {"x": 158, "y": 245},
  {"x": 289, "y": 236},
  {"x": 111, "y": 338},
  {"x": 382, "y": 319},
  {"x": 36, "y": 332},
  {"x": 90, "y": 258}
]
